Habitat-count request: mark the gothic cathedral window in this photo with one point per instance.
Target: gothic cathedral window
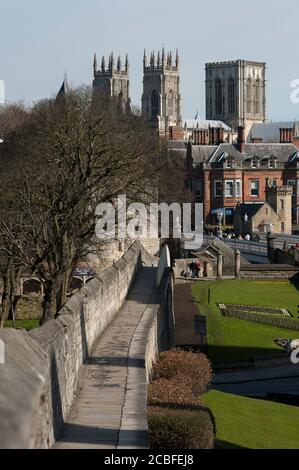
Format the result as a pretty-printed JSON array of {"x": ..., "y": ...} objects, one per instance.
[
  {"x": 219, "y": 99},
  {"x": 257, "y": 97},
  {"x": 249, "y": 96},
  {"x": 231, "y": 96},
  {"x": 155, "y": 104}
]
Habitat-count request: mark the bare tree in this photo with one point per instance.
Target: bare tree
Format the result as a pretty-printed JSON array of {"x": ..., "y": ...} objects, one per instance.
[{"x": 70, "y": 155}]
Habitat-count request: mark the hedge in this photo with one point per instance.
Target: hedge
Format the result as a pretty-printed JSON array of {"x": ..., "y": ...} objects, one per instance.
[
  {"x": 181, "y": 429},
  {"x": 193, "y": 368},
  {"x": 286, "y": 323},
  {"x": 176, "y": 417},
  {"x": 255, "y": 309},
  {"x": 174, "y": 392}
]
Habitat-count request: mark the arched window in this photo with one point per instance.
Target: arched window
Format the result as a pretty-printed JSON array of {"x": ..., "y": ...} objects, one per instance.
[
  {"x": 257, "y": 96},
  {"x": 155, "y": 102},
  {"x": 218, "y": 93},
  {"x": 170, "y": 103},
  {"x": 249, "y": 96},
  {"x": 231, "y": 96}
]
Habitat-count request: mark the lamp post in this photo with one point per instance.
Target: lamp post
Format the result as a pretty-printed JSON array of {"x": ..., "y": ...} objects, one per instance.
[
  {"x": 245, "y": 223},
  {"x": 219, "y": 219}
]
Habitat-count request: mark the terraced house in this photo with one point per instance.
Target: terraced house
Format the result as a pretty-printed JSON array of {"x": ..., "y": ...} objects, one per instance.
[{"x": 224, "y": 175}]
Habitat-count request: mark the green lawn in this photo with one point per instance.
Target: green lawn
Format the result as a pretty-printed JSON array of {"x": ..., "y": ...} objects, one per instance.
[
  {"x": 253, "y": 424},
  {"x": 231, "y": 339},
  {"x": 26, "y": 324}
]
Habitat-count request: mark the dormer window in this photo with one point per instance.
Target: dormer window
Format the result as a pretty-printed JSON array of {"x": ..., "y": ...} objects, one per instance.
[
  {"x": 294, "y": 158},
  {"x": 229, "y": 163},
  {"x": 272, "y": 162},
  {"x": 254, "y": 163}
]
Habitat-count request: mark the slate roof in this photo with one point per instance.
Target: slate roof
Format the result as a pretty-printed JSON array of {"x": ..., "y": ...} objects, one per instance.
[
  {"x": 228, "y": 149},
  {"x": 216, "y": 154},
  {"x": 281, "y": 152},
  {"x": 250, "y": 209},
  {"x": 269, "y": 131},
  {"x": 217, "y": 245},
  {"x": 204, "y": 124}
]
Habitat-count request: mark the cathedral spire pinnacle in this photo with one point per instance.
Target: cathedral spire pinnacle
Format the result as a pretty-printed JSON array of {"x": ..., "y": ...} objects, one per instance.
[
  {"x": 153, "y": 60},
  {"x": 95, "y": 64},
  {"x": 144, "y": 59},
  {"x": 158, "y": 60},
  {"x": 112, "y": 62},
  {"x": 103, "y": 65},
  {"x": 163, "y": 57},
  {"x": 177, "y": 59},
  {"x": 127, "y": 63},
  {"x": 119, "y": 64}
]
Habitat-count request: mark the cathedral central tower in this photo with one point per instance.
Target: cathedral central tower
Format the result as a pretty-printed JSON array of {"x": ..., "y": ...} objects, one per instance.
[{"x": 161, "y": 99}]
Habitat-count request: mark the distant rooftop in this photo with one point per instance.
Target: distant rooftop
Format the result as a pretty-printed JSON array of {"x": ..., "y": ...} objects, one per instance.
[
  {"x": 204, "y": 124},
  {"x": 269, "y": 131}
]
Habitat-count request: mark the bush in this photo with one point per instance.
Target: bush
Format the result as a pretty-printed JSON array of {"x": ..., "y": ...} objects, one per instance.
[
  {"x": 282, "y": 322},
  {"x": 174, "y": 392},
  {"x": 193, "y": 368},
  {"x": 181, "y": 429}
]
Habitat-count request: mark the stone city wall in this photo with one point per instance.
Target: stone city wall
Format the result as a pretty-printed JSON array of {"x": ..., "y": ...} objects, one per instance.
[{"x": 41, "y": 371}]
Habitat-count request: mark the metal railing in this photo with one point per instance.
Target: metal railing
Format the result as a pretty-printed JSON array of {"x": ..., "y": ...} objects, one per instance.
[{"x": 242, "y": 245}]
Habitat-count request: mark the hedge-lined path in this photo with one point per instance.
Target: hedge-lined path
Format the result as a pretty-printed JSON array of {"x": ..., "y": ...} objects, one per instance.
[{"x": 109, "y": 411}]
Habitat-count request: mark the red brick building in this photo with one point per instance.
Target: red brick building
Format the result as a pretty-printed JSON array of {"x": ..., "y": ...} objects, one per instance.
[{"x": 222, "y": 175}]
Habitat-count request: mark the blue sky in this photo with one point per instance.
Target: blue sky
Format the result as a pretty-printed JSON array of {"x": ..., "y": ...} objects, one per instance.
[{"x": 41, "y": 39}]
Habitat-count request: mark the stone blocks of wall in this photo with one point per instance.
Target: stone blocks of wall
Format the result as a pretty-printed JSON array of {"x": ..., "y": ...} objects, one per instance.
[
  {"x": 269, "y": 274},
  {"x": 41, "y": 373}
]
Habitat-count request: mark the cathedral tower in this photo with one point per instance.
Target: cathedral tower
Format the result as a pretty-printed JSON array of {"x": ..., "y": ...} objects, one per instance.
[
  {"x": 113, "y": 80},
  {"x": 161, "y": 100},
  {"x": 236, "y": 93}
]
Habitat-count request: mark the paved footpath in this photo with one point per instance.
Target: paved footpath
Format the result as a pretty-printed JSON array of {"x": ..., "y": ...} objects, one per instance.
[
  {"x": 259, "y": 381},
  {"x": 109, "y": 411}
]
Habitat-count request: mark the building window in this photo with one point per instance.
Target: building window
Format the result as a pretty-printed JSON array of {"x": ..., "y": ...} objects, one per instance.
[
  {"x": 233, "y": 188},
  {"x": 255, "y": 188},
  {"x": 272, "y": 163},
  {"x": 229, "y": 189},
  {"x": 218, "y": 188},
  {"x": 189, "y": 185},
  {"x": 293, "y": 184},
  {"x": 282, "y": 204},
  {"x": 248, "y": 96},
  {"x": 198, "y": 188},
  {"x": 282, "y": 227},
  {"x": 231, "y": 96},
  {"x": 238, "y": 187},
  {"x": 257, "y": 97},
  {"x": 272, "y": 183},
  {"x": 218, "y": 95},
  {"x": 155, "y": 102}
]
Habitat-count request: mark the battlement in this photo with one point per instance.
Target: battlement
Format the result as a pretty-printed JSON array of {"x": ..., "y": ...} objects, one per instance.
[
  {"x": 162, "y": 62},
  {"x": 112, "y": 69},
  {"x": 235, "y": 63}
]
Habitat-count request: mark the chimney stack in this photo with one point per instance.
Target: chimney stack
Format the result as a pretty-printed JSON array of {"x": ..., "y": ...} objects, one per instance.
[
  {"x": 241, "y": 138},
  {"x": 211, "y": 135},
  {"x": 221, "y": 135}
]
